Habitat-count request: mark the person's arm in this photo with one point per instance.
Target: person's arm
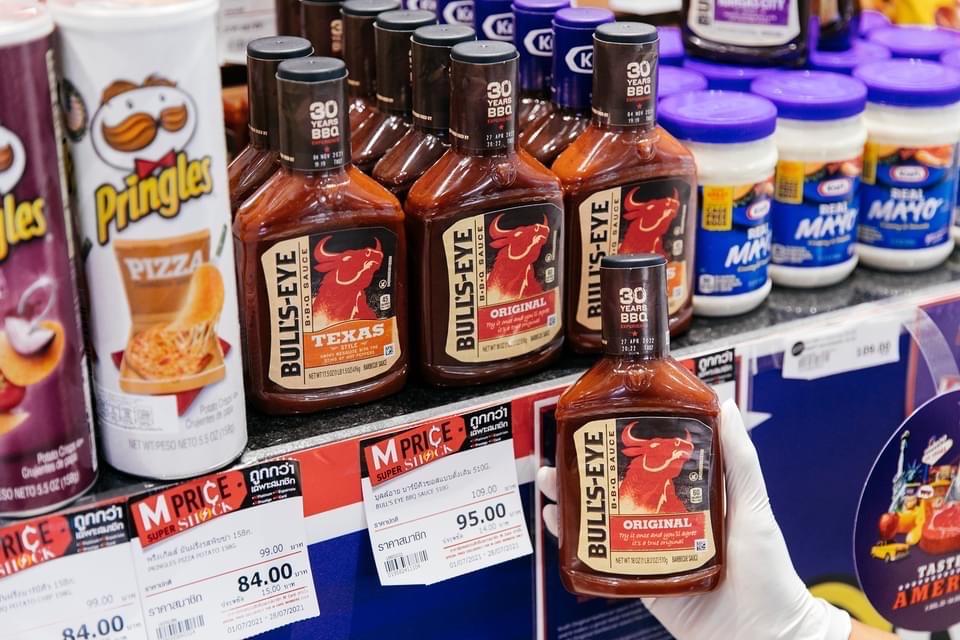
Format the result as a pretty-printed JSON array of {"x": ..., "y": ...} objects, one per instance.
[{"x": 861, "y": 631}]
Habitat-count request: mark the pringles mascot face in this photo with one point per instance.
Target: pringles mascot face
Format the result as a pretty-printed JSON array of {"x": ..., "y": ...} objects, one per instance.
[
  {"x": 13, "y": 160},
  {"x": 141, "y": 128}
]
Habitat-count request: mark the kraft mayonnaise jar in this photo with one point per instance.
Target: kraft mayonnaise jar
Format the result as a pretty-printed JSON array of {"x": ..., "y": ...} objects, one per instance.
[
  {"x": 909, "y": 164},
  {"x": 820, "y": 137},
  {"x": 731, "y": 137}
]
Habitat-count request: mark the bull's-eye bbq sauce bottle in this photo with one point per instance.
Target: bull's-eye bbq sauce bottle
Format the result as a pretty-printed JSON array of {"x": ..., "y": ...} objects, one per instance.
[
  {"x": 391, "y": 119},
  {"x": 360, "y": 55},
  {"x": 261, "y": 158},
  {"x": 533, "y": 35},
  {"x": 323, "y": 26},
  {"x": 549, "y": 134},
  {"x": 639, "y": 464},
  {"x": 485, "y": 223},
  {"x": 629, "y": 186},
  {"x": 429, "y": 137},
  {"x": 321, "y": 261}
]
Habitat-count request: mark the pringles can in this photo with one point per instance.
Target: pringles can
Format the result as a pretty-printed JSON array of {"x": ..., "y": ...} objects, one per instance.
[
  {"x": 47, "y": 454},
  {"x": 141, "y": 92}
]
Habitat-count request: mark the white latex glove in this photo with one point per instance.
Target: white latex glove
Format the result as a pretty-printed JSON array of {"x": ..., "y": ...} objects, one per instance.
[{"x": 761, "y": 597}]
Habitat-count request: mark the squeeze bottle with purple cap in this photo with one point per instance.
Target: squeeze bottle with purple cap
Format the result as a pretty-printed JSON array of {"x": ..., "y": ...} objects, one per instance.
[
  {"x": 674, "y": 80},
  {"x": 455, "y": 12},
  {"x": 572, "y": 82},
  {"x": 493, "y": 20},
  {"x": 909, "y": 164},
  {"x": 926, "y": 43},
  {"x": 820, "y": 137},
  {"x": 671, "y": 46},
  {"x": 533, "y": 37},
  {"x": 860, "y": 52},
  {"x": 731, "y": 137},
  {"x": 725, "y": 77}
]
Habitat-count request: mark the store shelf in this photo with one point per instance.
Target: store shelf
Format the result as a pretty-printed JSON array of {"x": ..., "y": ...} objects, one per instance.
[{"x": 287, "y": 433}]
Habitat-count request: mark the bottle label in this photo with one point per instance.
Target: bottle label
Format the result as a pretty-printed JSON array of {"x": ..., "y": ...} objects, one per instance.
[
  {"x": 907, "y": 196},
  {"x": 332, "y": 308},
  {"x": 758, "y": 23},
  {"x": 642, "y": 217},
  {"x": 644, "y": 495},
  {"x": 733, "y": 238},
  {"x": 314, "y": 123},
  {"x": 504, "y": 276},
  {"x": 815, "y": 209},
  {"x": 625, "y": 84}
]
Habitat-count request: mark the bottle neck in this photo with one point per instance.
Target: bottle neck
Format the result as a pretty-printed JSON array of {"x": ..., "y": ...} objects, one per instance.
[
  {"x": 393, "y": 71},
  {"x": 430, "y": 66},
  {"x": 635, "y": 319},
  {"x": 484, "y": 101},
  {"x": 358, "y": 54},
  {"x": 314, "y": 126},
  {"x": 262, "y": 98},
  {"x": 624, "y": 86}
]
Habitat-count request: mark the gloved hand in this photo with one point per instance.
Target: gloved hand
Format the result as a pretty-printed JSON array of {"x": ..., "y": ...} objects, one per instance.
[{"x": 761, "y": 597}]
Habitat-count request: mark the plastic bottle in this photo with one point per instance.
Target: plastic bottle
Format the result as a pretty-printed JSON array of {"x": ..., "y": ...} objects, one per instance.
[
  {"x": 731, "y": 137},
  {"x": 671, "y": 46},
  {"x": 926, "y": 43},
  {"x": 725, "y": 77},
  {"x": 533, "y": 37},
  {"x": 860, "y": 52},
  {"x": 493, "y": 20},
  {"x": 820, "y": 137},
  {"x": 674, "y": 80},
  {"x": 909, "y": 164}
]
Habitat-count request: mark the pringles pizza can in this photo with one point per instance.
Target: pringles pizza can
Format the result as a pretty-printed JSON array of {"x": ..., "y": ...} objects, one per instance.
[
  {"x": 47, "y": 455},
  {"x": 141, "y": 95}
]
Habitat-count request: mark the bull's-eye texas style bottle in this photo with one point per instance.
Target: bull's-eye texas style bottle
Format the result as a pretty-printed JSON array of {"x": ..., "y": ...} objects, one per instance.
[
  {"x": 639, "y": 464},
  {"x": 629, "y": 186},
  {"x": 321, "y": 261},
  {"x": 485, "y": 224}
]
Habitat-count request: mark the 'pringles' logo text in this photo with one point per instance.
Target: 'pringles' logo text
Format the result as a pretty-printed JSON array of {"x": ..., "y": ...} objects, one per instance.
[
  {"x": 24, "y": 220},
  {"x": 145, "y": 129}
]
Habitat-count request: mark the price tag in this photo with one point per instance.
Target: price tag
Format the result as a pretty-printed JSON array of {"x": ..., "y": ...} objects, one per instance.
[
  {"x": 844, "y": 348},
  {"x": 240, "y": 22},
  {"x": 223, "y": 556},
  {"x": 68, "y": 577},
  {"x": 441, "y": 499}
]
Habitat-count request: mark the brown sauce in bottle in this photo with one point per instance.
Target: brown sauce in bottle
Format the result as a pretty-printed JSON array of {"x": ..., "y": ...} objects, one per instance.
[
  {"x": 360, "y": 55},
  {"x": 391, "y": 119},
  {"x": 639, "y": 464},
  {"x": 429, "y": 137},
  {"x": 485, "y": 223},
  {"x": 321, "y": 261},
  {"x": 261, "y": 158},
  {"x": 629, "y": 186}
]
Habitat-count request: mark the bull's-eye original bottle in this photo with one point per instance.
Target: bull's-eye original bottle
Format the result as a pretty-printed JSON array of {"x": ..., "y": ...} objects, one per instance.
[
  {"x": 533, "y": 35},
  {"x": 638, "y": 454},
  {"x": 321, "y": 260},
  {"x": 629, "y": 186},
  {"x": 485, "y": 224}
]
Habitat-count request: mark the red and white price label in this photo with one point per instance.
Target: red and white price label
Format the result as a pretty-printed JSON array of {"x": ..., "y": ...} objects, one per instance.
[
  {"x": 224, "y": 556},
  {"x": 68, "y": 577},
  {"x": 441, "y": 498}
]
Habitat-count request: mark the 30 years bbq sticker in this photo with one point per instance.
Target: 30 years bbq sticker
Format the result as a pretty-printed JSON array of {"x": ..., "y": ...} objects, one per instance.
[{"x": 907, "y": 533}]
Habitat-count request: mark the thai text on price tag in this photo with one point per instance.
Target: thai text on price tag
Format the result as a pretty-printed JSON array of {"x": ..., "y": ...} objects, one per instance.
[
  {"x": 846, "y": 347},
  {"x": 223, "y": 556},
  {"x": 441, "y": 498},
  {"x": 68, "y": 577}
]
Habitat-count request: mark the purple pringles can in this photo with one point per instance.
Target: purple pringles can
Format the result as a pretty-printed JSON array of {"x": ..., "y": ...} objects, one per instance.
[{"x": 47, "y": 450}]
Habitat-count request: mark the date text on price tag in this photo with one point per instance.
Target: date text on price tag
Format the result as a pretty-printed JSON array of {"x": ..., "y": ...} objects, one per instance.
[
  {"x": 441, "y": 499},
  {"x": 69, "y": 577},
  {"x": 224, "y": 556},
  {"x": 843, "y": 348}
]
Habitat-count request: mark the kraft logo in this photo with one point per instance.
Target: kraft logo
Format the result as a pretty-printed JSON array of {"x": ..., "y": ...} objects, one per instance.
[
  {"x": 580, "y": 59},
  {"x": 498, "y": 26},
  {"x": 909, "y": 174},
  {"x": 758, "y": 210},
  {"x": 835, "y": 187},
  {"x": 459, "y": 12},
  {"x": 539, "y": 42}
]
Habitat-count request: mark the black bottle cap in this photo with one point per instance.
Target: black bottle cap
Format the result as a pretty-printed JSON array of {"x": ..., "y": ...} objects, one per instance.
[
  {"x": 279, "y": 48},
  {"x": 626, "y": 32},
  {"x": 484, "y": 52},
  {"x": 633, "y": 261},
  {"x": 368, "y": 7},
  {"x": 635, "y": 316},
  {"x": 406, "y": 20},
  {"x": 312, "y": 69},
  {"x": 444, "y": 35}
]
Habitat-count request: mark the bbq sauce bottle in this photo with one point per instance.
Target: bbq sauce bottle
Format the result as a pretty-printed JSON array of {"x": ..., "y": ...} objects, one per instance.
[
  {"x": 360, "y": 54},
  {"x": 391, "y": 119},
  {"x": 572, "y": 79},
  {"x": 288, "y": 17},
  {"x": 639, "y": 464},
  {"x": 485, "y": 223},
  {"x": 629, "y": 186},
  {"x": 321, "y": 261},
  {"x": 429, "y": 137},
  {"x": 533, "y": 35},
  {"x": 260, "y": 159},
  {"x": 323, "y": 26}
]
